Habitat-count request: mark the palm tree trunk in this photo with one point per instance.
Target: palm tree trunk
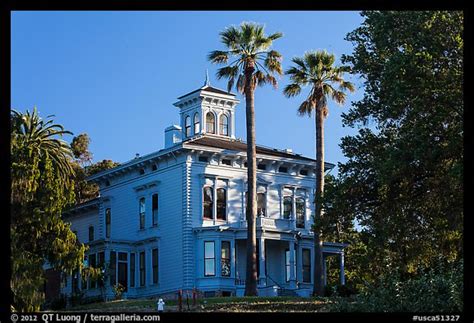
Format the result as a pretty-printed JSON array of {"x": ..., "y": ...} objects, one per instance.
[
  {"x": 318, "y": 244},
  {"x": 251, "y": 272}
]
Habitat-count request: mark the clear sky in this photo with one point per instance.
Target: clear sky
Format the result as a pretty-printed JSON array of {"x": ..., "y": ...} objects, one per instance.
[{"x": 115, "y": 75}]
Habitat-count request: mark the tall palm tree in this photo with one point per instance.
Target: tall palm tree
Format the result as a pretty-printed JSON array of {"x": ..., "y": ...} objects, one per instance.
[
  {"x": 253, "y": 64},
  {"x": 317, "y": 71}
]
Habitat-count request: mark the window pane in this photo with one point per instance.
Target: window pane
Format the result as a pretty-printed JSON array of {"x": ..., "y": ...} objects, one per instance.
[
  {"x": 91, "y": 233},
  {"x": 187, "y": 126},
  {"x": 287, "y": 206},
  {"x": 300, "y": 210},
  {"x": 208, "y": 201},
  {"x": 221, "y": 203},
  {"x": 142, "y": 268},
  {"x": 210, "y": 123},
  {"x": 142, "y": 205},
  {"x": 155, "y": 209},
  {"x": 224, "y": 125},
  {"x": 209, "y": 249},
  {"x": 113, "y": 264},
  {"x": 225, "y": 259},
  {"x": 197, "y": 127},
  {"x": 132, "y": 270},
  {"x": 209, "y": 267},
  {"x": 261, "y": 204},
  {"x": 107, "y": 223},
  {"x": 155, "y": 265}
]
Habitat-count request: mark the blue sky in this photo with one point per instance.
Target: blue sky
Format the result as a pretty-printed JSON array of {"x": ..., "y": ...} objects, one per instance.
[{"x": 115, "y": 75}]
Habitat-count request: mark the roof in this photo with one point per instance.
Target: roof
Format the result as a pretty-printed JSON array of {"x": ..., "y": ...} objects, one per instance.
[
  {"x": 208, "y": 88},
  {"x": 233, "y": 144}
]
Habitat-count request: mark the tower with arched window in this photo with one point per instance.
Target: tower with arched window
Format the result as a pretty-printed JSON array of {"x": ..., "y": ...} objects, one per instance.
[{"x": 207, "y": 110}]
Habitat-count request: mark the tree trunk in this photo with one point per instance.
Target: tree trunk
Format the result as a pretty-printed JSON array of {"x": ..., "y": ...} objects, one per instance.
[
  {"x": 251, "y": 211},
  {"x": 318, "y": 244}
]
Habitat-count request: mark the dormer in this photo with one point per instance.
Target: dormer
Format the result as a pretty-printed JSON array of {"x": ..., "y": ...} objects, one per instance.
[{"x": 207, "y": 110}]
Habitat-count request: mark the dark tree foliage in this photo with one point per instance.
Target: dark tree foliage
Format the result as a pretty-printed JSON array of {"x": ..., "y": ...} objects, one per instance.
[
  {"x": 403, "y": 181},
  {"x": 80, "y": 148}
]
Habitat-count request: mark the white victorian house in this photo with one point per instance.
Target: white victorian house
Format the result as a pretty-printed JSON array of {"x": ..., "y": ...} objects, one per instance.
[{"x": 175, "y": 219}]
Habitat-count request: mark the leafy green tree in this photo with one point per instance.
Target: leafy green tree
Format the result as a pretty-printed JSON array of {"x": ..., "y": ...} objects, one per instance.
[
  {"x": 254, "y": 64},
  {"x": 42, "y": 186},
  {"x": 316, "y": 70},
  {"x": 80, "y": 148},
  {"x": 405, "y": 165}
]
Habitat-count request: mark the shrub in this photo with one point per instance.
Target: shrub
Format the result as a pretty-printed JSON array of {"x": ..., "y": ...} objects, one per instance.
[
  {"x": 438, "y": 289},
  {"x": 118, "y": 290}
]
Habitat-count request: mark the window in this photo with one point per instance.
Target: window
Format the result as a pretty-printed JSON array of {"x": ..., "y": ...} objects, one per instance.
[
  {"x": 142, "y": 213},
  {"x": 209, "y": 259},
  {"x": 107, "y": 183},
  {"x": 107, "y": 223},
  {"x": 132, "y": 270},
  {"x": 154, "y": 167},
  {"x": 187, "y": 126},
  {"x": 283, "y": 169},
  {"x": 113, "y": 264},
  {"x": 224, "y": 125},
  {"x": 154, "y": 209},
  {"x": 122, "y": 269},
  {"x": 225, "y": 258},
  {"x": 91, "y": 233},
  {"x": 300, "y": 212},
  {"x": 93, "y": 264},
  {"x": 262, "y": 166},
  {"x": 142, "y": 171},
  {"x": 197, "y": 123},
  {"x": 208, "y": 202},
  {"x": 101, "y": 262},
  {"x": 227, "y": 162},
  {"x": 304, "y": 172},
  {"x": 287, "y": 265},
  {"x": 210, "y": 123},
  {"x": 203, "y": 159},
  {"x": 287, "y": 207},
  {"x": 221, "y": 204},
  {"x": 306, "y": 265},
  {"x": 84, "y": 276},
  {"x": 261, "y": 204},
  {"x": 154, "y": 260},
  {"x": 142, "y": 268}
]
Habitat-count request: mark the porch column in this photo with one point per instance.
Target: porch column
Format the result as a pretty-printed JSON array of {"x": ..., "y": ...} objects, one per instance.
[
  {"x": 292, "y": 265},
  {"x": 261, "y": 251},
  {"x": 233, "y": 251},
  {"x": 341, "y": 269}
]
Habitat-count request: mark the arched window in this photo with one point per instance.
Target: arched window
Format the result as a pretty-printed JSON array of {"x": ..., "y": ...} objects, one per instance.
[
  {"x": 221, "y": 203},
  {"x": 261, "y": 203},
  {"x": 287, "y": 207},
  {"x": 207, "y": 202},
  {"x": 300, "y": 212},
  {"x": 224, "y": 125},
  {"x": 107, "y": 222},
  {"x": 210, "y": 123},
  {"x": 187, "y": 126},
  {"x": 142, "y": 213},
  {"x": 197, "y": 123}
]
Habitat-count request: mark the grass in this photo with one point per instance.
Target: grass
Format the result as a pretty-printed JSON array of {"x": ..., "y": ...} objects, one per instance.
[{"x": 214, "y": 304}]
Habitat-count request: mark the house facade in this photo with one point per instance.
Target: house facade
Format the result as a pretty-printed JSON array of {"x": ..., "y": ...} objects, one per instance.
[{"x": 175, "y": 219}]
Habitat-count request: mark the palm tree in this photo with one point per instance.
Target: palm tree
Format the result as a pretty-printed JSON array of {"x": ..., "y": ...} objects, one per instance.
[
  {"x": 34, "y": 140},
  {"x": 316, "y": 70},
  {"x": 254, "y": 64}
]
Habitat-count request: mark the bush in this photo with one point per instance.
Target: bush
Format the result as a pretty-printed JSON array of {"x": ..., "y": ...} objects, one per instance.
[
  {"x": 118, "y": 290},
  {"x": 438, "y": 289}
]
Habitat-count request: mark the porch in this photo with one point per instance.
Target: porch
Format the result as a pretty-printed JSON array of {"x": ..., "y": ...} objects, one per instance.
[{"x": 285, "y": 267}]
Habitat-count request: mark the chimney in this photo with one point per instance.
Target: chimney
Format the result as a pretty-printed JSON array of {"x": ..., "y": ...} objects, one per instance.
[{"x": 172, "y": 136}]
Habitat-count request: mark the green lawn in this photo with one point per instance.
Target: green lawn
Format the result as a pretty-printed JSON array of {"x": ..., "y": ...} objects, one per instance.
[{"x": 214, "y": 304}]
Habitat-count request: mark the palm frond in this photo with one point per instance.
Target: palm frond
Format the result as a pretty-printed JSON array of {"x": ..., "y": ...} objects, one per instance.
[
  {"x": 218, "y": 56},
  {"x": 305, "y": 108},
  {"x": 292, "y": 89}
]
